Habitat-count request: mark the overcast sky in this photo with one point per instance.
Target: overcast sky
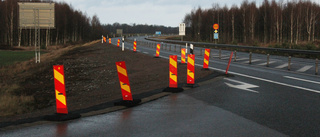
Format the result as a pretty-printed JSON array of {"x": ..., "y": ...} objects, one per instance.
[{"x": 152, "y": 12}]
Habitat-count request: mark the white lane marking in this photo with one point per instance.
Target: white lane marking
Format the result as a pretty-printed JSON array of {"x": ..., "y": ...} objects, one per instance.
[
  {"x": 282, "y": 66},
  {"x": 242, "y": 86},
  {"x": 305, "y": 68},
  {"x": 146, "y": 52},
  {"x": 270, "y": 62},
  {"x": 242, "y": 59},
  {"x": 305, "y": 80},
  {"x": 252, "y": 61}
]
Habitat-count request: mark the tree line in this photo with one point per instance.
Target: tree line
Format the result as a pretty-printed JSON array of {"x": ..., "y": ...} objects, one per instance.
[
  {"x": 71, "y": 26},
  {"x": 291, "y": 22}
]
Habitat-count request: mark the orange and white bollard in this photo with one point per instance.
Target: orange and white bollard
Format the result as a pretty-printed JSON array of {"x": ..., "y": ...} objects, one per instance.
[
  {"x": 173, "y": 75},
  {"x": 61, "y": 100},
  {"x": 206, "y": 59},
  {"x": 127, "y": 99},
  {"x": 158, "y": 51},
  {"x": 118, "y": 44},
  {"x": 105, "y": 39},
  {"x": 109, "y": 40},
  {"x": 135, "y": 46},
  {"x": 183, "y": 56},
  {"x": 229, "y": 62}
]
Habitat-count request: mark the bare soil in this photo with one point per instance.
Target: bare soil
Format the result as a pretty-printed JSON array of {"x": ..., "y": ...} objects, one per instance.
[{"x": 91, "y": 80}]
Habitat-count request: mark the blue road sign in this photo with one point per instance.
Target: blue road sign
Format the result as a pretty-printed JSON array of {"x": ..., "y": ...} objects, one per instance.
[{"x": 216, "y": 36}]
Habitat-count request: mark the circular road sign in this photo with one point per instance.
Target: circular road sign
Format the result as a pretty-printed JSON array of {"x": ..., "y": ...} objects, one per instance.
[{"x": 215, "y": 26}]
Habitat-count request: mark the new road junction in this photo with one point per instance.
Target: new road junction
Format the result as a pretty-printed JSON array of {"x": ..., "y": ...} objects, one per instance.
[{"x": 253, "y": 100}]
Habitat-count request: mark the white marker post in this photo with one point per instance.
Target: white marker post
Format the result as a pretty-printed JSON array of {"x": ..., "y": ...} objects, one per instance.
[
  {"x": 191, "y": 48},
  {"x": 122, "y": 43},
  {"x": 186, "y": 48}
]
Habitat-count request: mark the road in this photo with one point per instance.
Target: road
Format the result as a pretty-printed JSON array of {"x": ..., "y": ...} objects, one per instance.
[{"x": 255, "y": 101}]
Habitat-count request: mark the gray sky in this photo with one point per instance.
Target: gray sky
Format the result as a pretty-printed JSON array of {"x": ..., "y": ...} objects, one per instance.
[{"x": 152, "y": 12}]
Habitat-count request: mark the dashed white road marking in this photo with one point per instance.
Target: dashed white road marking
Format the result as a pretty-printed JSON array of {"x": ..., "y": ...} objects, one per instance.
[
  {"x": 252, "y": 61},
  {"x": 263, "y": 64},
  {"x": 305, "y": 68},
  {"x": 300, "y": 79},
  {"x": 282, "y": 66}
]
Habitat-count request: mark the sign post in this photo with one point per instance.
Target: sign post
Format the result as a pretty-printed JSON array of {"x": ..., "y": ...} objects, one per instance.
[
  {"x": 182, "y": 30},
  {"x": 215, "y": 34}
]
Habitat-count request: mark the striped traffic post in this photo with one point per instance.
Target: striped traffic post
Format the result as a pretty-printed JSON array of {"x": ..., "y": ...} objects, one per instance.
[
  {"x": 173, "y": 75},
  {"x": 183, "y": 56},
  {"x": 109, "y": 40},
  {"x": 127, "y": 99},
  {"x": 190, "y": 70},
  {"x": 118, "y": 44},
  {"x": 60, "y": 90},
  {"x": 105, "y": 39},
  {"x": 61, "y": 99},
  {"x": 135, "y": 46},
  {"x": 206, "y": 59},
  {"x": 229, "y": 63},
  {"x": 157, "y": 51}
]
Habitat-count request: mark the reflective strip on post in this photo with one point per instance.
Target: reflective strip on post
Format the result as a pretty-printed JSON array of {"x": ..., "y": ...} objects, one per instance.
[
  {"x": 173, "y": 75},
  {"x": 124, "y": 81},
  {"x": 158, "y": 50},
  {"x": 60, "y": 90},
  {"x": 190, "y": 70},
  {"x": 206, "y": 59},
  {"x": 135, "y": 46},
  {"x": 183, "y": 55}
]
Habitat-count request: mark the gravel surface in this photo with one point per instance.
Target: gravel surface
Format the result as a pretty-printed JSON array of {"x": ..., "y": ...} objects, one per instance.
[{"x": 91, "y": 79}]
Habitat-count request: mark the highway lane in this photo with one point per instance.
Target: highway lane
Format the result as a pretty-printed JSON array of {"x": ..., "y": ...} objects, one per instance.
[{"x": 257, "y": 101}]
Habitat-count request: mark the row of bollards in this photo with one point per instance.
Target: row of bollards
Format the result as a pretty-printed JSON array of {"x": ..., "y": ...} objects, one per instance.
[{"x": 170, "y": 48}]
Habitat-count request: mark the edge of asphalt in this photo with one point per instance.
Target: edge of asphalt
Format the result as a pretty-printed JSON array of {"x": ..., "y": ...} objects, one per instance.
[{"x": 108, "y": 107}]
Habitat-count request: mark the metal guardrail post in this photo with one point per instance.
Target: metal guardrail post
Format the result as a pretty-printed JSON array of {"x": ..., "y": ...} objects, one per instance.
[
  {"x": 219, "y": 53},
  {"x": 235, "y": 56},
  {"x": 268, "y": 55},
  {"x": 180, "y": 49},
  {"x": 170, "y": 47},
  {"x": 317, "y": 62},
  {"x": 200, "y": 51},
  {"x": 289, "y": 63},
  {"x": 250, "y": 57}
]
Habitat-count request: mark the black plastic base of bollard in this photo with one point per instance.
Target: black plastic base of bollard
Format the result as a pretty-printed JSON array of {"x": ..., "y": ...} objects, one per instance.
[
  {"x": 228, "y": 75},
  {"x": 205, "y": 69},
  {"x": 191, "y": 85},
  {"x": 128, "y": 103},
  {"x": 173, "y": 90},
  {"x": 156, "y": 57},
  {"x": 62, "y": 117}
]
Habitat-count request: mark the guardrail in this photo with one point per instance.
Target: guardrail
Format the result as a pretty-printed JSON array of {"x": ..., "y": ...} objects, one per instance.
[{"x": 290, "y": 51}]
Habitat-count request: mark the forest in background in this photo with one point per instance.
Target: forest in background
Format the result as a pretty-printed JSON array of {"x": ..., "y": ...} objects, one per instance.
[
  {"x": 71, "y": 26},
  {"x": 284, "y": 23}
]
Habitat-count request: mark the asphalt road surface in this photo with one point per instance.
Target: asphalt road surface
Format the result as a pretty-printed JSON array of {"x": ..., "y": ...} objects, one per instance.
[{"x": 255, "y": 101}]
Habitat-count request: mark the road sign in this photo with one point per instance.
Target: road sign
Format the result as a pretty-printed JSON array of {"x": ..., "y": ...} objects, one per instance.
[
  {"x": 215, "y": 31},
  {"x": 215, "y": 26},
  {"x": 216, "y": 35},
  {"x": 43, "y": 13},
  {"x": 158, "y": 32},
  {"x": 182, "y": 29}
]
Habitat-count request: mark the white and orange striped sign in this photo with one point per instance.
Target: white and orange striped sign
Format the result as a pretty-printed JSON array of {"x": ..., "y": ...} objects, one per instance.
[
  {"x": 158, "y": 50},
  {"x": 135, "y": 46},
  {"x": 173, "y": 73},
  {"x": 183, "y": 55},
  {"x": 190, "y": 69},
  {"x": 124, "y": 81},
  {"x": 206, "y": 59},
  {"x": 60, "y": 90}
]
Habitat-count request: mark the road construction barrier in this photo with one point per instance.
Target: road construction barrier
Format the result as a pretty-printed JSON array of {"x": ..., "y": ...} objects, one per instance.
[
  {"x": 173, "y": 75},
  {"x": 135, "y": 46},
  {"x": 109, "y": 40},
  {"x": 190, "y": 70},
  {"x": 229, "y": 63},
  {"x": 206, "y": 59},
  {"x": 183, "y": 56},
  {"x": 60, "y": 90},
  {"x": 124, "y": 81},
  {"x": 118, "y": 44},
  {"x": 158, "y": 51},
  {"x": 105, "y": 39}
]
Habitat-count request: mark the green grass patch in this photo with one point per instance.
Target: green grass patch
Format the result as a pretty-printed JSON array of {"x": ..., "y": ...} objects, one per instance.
[{"x": 11, "y": 57}]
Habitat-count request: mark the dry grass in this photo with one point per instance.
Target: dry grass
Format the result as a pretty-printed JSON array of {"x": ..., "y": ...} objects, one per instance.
[{"x": 11, "y": 102}]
